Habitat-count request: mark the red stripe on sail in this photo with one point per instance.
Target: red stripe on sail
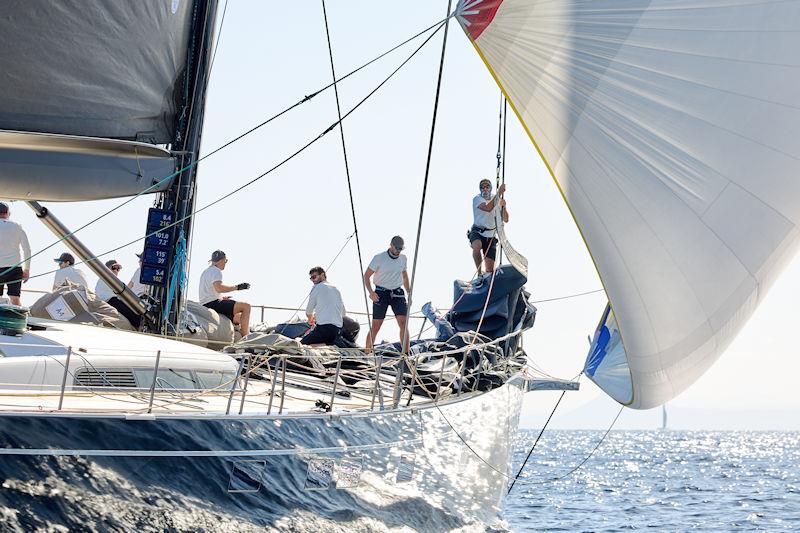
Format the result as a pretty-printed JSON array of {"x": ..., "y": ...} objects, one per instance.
[{"x": 476, "y": 15}]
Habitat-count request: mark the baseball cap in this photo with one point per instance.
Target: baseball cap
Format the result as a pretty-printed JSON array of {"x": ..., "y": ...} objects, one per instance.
[
  {"x": 65, "y": 258},
  {"x": 488, "y": 182},
  {"x": 218, "y": 255},
  {"x": 3, "y": 208},
  {"x": 111, "y": 263},
  {"x": 398, "y": 242}
]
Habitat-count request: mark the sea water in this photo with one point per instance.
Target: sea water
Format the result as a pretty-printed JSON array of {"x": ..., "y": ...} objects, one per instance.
[
  {"x": 657, "y": 480},
  {"x": 636, "y": 480}
]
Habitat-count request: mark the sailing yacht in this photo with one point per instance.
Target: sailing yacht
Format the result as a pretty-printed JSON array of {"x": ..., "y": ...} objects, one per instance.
[{"x": 650, "y": 117}]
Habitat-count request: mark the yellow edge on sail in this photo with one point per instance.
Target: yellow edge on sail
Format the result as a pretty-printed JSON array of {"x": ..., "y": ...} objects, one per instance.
[{"x": 563, "y": 196}]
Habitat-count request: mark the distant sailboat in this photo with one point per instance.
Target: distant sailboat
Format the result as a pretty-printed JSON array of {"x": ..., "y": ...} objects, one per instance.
[{"x": 663, "y": 416}]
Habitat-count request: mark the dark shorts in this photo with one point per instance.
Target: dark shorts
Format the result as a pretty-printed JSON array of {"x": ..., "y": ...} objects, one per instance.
[
  {"x": 322, "y": 334},
  {"x": 12, "y": 278},
  {"x": 488, "y": 244},
  {"x": 223, "y": 307},
  {"x": 394, "y": 298}
]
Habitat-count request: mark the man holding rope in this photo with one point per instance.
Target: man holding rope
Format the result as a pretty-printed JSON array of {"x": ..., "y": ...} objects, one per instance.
[{"x": 481, "y": 235}]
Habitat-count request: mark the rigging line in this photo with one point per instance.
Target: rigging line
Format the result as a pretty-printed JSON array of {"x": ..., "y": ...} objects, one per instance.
[
  {"x": 539, "y": 436},
  {"x": 500, "y": 162},
  {"x": 346, "y": 165},
  {"x": 525, "y": 481},
  {"x": 503, "y": 171},
  {"x": 505, "y": 136},
  {"x": 305, "y": 99},
  {"x": 219, "y": 38},
  {"x": 275, "y": 167},
  {"x": 427, "y": 171},
  {"x": 566, "y": 297}
]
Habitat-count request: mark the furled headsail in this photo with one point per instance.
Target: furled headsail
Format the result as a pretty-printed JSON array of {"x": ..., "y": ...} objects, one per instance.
[
  {"x": 90, "y": 69},
  {"x": 672, "y": 129}
]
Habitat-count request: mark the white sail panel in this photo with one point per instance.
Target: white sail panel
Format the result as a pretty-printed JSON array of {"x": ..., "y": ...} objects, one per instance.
[{"x": 671, "y": 129}]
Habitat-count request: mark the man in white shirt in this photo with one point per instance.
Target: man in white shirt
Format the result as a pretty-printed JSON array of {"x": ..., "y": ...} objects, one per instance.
[
  {"x": 481, "y": 235},
  {"x": 134, "y": 284},
  {"x": 211, "y": 289},
  {"x": 104, "y": 292},
  {"x": 391, "y": 276},
  {"x": 12, "y": 238},
  {"x": 325, "y": 310},
  {"x": 66, "y": 271}
]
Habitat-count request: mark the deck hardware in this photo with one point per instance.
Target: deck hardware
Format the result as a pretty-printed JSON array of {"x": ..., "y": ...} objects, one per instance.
[
  {"x": 233, "y": 386},
  {"x": 246, "y": 476},
  {"x": 335, "y": 381},
  {"x": 274, "y": 378},
  {"x": 377, "y": 389},
  {"x": 246, "y": 382},
  {"x": 283, "y": 385},
  {"x": 348, "y": 473},
  {"x": 319, "y": 474},
  {"x": 405, "y": 468},
  {"x": 64, "y": 378},
  {"x": 153, "y": 384}
]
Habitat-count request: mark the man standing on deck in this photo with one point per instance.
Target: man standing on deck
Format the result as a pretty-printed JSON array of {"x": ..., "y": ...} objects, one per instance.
[
  {"x": 67, "y": 271},
  {"x": 211, "y": 289},
  {"x": 391, "y": 276},
  {"x": 12, "y": 238},
  {"x": 482, "y": 233},
  {"x": 325, "y": 310}
]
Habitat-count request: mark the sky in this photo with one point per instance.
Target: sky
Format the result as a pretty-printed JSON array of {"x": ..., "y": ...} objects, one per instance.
[{"x": 270, "y": 56}]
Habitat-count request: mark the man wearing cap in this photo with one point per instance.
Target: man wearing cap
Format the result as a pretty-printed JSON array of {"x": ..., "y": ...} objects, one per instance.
[
  {"x": 104, "y": 292},
  {"x": 391, "y": 277},
  {"x": 211, "y": 289},
  {"x": 482, "y": 233},
  {"x": 325, "y": 310},
  {"x": 134, "y": 284},
  {"x": 12, "y": 270},
  {"x": 66, "y": 271}
]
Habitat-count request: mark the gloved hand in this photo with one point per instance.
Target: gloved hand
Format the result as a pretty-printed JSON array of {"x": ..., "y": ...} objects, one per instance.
[{"x": 242, "y": 286}]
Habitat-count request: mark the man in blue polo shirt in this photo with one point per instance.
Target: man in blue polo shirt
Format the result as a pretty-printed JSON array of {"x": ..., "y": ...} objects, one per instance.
[{"x": 391, "y": 276}]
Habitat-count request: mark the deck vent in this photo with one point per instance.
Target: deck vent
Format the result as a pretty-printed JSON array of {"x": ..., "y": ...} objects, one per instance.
[{"x": 117, "y": 377}]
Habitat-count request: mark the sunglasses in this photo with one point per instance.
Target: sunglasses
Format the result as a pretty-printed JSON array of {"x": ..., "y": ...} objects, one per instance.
[
  {"x": 116, "y": 268},
  {"x": 313, "y": 276}
]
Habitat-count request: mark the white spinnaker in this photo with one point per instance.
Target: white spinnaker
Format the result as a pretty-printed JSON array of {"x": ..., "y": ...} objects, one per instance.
[{"x": 672, "y": 129}]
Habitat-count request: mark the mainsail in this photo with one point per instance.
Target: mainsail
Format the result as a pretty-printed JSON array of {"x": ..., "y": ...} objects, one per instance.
[
  {"x": 96, "y": 69},
  {"x": 672, "y": 130}
]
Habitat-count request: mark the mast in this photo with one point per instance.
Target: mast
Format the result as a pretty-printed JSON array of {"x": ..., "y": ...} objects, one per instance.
[{"x": 179, "y": 199}]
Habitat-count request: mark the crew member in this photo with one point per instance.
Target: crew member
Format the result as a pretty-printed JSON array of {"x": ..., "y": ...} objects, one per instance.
[
  {"x": 389, "y": 268},
  {"x": 135, "y": 284},
  {"x": 211, "y": 289},
  {"x": 482, "y": 233},
  {"x": 104, "y": 292},
  {"x": 325, "y": 310},
  {"x": 12, "y": 238},
  {"x": 66, "y": 271}
]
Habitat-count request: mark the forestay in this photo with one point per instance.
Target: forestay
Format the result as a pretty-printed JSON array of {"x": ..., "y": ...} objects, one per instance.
[{"x": 671, "y": 129}]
